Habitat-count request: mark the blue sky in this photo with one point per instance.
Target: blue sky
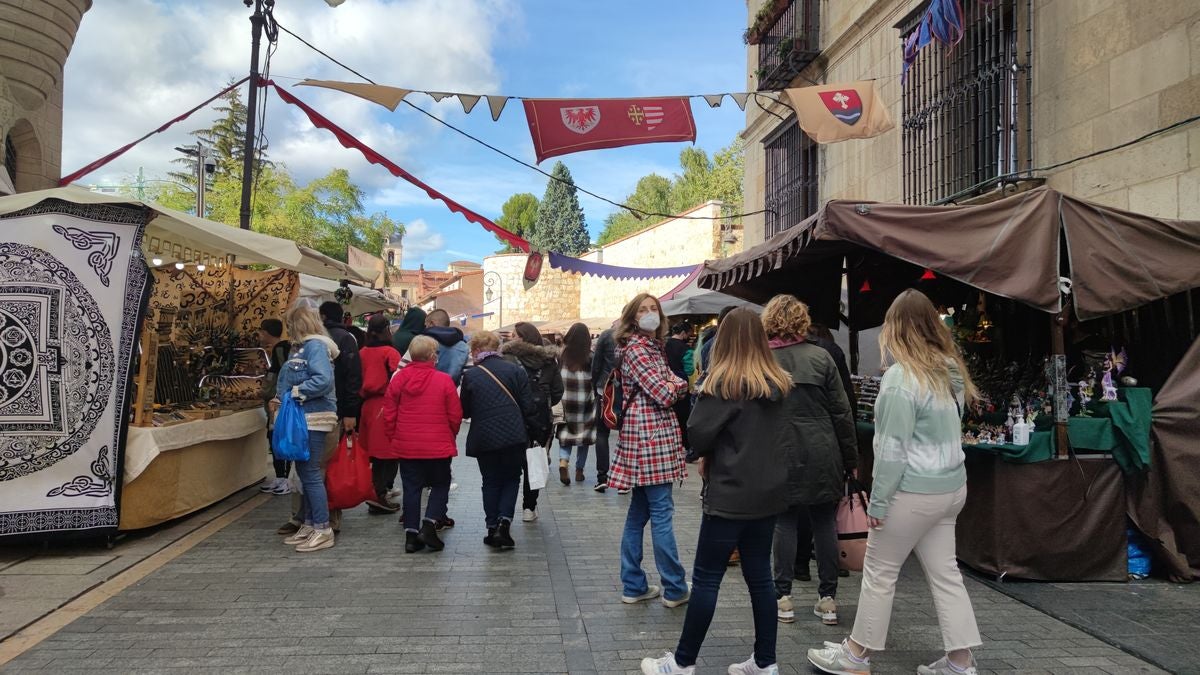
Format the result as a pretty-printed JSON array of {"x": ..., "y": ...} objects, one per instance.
[{"x": 140, "y": 62}]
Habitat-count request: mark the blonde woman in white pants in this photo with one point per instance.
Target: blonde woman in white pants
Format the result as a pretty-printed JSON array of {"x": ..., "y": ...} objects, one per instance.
[{"x": 918, "y": 491}]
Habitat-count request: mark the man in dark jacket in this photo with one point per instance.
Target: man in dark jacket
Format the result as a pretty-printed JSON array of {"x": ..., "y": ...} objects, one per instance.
[
  {"x": 452, "y": 350},
  {"x": 677, "y": 349},
  {"x": 603, "y": 362}
]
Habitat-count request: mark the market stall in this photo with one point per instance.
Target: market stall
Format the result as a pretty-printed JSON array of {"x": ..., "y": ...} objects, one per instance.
[
  {"x": 1051, "y": 298},
  {"x": 139, "y": 399},
  {"x": 363, "y": 300}
]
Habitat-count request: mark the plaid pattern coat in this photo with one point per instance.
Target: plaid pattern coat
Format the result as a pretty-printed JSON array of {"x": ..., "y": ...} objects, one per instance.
[
  {"x": 579, "y": 409},
  {"x": 650, "y": 447}
]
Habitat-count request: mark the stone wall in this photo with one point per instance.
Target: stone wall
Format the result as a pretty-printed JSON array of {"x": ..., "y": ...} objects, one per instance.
[
  {"x": 35, "y": 39},
  {"x": 555, "y": 296},
  {"x": 1104, "y": 72}
]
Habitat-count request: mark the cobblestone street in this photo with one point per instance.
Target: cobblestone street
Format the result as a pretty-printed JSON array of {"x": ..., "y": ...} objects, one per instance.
[{"x": 241, "y": 602}]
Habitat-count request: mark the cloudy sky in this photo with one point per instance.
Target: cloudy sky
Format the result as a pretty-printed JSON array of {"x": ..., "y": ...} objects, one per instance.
[{"x": 138, "y": 63}]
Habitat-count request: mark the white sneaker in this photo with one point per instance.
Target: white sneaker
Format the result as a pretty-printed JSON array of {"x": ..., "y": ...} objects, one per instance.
[
  {"x": 784, "y": 610},
  {"x": 268, "y": 485},
  {"x": 394, "y": 494},
  {"x": 624, "y": 491},
  {"x": 942, "y": 667},
  {"x": 672, "y": 604},
  {"x": 300, "y": 537},
  {"x": 453, "y": 487},
  {"x": 836, "y": 659},
  {"x": 665, "y": 666},
  {"x": 282, "y": 487},
  {"x": 749, "y": 667},
  {"x": 529, "y": 515},
  {"x": 652, "y": 592}
]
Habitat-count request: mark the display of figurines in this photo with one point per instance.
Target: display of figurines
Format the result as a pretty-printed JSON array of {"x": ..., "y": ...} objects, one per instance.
[
  {"x": 1087, "y": 391},
  {"x": 1109, "y": 388}
]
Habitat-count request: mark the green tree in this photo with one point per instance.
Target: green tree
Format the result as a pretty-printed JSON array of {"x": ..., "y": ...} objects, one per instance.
[
  {"x": 651, "y": 195},
  {"x": 518, "y": 215},
  {"x": 560, "y": 226},
  {"x": 691, "y": 186}
]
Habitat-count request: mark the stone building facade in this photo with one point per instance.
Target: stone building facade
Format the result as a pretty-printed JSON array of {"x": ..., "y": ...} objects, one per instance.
[
  {"x": 1033, "y": 83},
  {"x": 35, "y": 40},
  {"x": 559, "y": 295}
]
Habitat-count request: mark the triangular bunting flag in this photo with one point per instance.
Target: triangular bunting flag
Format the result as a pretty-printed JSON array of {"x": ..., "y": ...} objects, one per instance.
[
  {"x": 388, "y": 97},
  {"x": 714, "y": 100},
  {"x": 438, "y": 95},
  {"x": 740, "y": 99},
  {"x": 468, "y": 102},
  {"x": 497, "y": 103},
  {"x": 837, "y": 112}
]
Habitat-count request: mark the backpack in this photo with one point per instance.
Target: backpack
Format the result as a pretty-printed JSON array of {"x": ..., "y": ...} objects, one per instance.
[{"x": 612, "y": 398}]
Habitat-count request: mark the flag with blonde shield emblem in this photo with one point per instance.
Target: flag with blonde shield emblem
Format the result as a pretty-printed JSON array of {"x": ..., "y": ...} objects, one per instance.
[
  {"x": 838, "y": 112},
  {"x": 562, "y": 126}
]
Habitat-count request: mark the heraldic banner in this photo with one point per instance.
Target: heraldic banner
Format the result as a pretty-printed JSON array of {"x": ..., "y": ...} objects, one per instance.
[
  {"x": 560, "y": 126},
  {"x": 72, "y": 292}
]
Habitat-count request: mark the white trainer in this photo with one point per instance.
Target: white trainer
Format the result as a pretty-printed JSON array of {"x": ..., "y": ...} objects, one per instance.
[
  {"x": 665, "y": 666},
  {"x": 529, "y": 515},
  {"x": 749, "y": 667},
  {"x": 652, "y": 592}
]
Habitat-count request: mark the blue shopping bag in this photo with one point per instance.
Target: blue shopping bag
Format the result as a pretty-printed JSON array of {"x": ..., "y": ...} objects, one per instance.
[{"x": 289, "y": 439}]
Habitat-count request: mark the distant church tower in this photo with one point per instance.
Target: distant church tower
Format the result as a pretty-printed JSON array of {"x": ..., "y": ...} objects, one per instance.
[{"x": 393, "y": 252}]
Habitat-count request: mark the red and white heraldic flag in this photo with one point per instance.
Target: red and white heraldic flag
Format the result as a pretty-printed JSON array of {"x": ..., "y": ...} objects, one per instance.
[{"x": 560, "y": 126}]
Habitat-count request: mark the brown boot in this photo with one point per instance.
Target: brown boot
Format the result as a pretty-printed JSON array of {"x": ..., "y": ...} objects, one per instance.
[
  {"x": 564, "y": 473},
  {"x": 578, "y": 475}
]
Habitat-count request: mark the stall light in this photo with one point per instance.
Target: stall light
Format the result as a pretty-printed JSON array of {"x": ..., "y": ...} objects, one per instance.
[
  {"x": 201, "y": 267},
  {"x": 155, "y": 262},
  {"x": 178, "y": 265}
]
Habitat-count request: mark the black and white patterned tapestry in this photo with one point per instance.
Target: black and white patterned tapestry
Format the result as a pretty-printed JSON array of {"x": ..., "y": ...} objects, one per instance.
[{"x": 72, "y": 291}]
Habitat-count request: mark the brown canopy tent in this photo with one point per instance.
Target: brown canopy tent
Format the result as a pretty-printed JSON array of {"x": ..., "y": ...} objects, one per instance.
[{"x": 1041, "y": 248}]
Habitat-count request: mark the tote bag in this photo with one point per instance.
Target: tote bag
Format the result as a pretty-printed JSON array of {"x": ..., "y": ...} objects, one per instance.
[
  {"x": 852, "y": 527},
  {"x": 348, "y": 476},
  {"x": 539, "y": 467}
]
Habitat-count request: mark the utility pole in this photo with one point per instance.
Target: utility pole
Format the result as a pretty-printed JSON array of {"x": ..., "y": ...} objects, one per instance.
[{"x": 257, "y": 20}]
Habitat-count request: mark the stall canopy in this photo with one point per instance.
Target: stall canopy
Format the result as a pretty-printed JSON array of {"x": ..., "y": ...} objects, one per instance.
[
  {"x": 689, "y": 299},
  {"x": 364, "y": 300},
  {"x": 1115, "y": 260},
  {"x": 197, "y": 234}
]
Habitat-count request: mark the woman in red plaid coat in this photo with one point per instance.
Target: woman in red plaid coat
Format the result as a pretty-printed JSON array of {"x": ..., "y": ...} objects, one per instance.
[{"x": 650, "y": 455}]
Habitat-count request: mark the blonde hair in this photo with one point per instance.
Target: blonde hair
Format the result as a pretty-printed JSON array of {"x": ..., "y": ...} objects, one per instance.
[
  {"x": 628, "y": 323},
  {"x": 423, "y": 348},
  {"x": 915, "y": 336},
  {"x": 303, "y": 320},
  {"x": 742, "y": 364},
  {"x": 786, "y": 317},
  {"x": 484, "y": 341}
]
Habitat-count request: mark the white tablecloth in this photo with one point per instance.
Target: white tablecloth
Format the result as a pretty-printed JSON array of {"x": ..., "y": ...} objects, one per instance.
[{"x": 143, "y": 444}]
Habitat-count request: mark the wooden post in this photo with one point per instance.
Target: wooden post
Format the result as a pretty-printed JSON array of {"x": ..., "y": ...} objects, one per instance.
[{"x": 1058, "y": 343}]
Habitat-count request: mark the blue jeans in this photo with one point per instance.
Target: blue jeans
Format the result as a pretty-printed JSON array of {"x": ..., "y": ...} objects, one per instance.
[
  {"x": 653, "y": 504},
  {"x": 564, "y": 453},
  {"x": 501, "y": 473},
  {"x": 314, "y": 503},
  {"x": 718, "y": 539},
  {"x": 416, "y": 475}
]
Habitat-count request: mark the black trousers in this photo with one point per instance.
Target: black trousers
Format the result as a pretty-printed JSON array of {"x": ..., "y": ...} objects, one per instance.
[
  {"x": 529, "y": 498},
  {"x": 417, "y": 474},
  {"x": 602, "y": 449},
  {"x": 383, "y": 475}
]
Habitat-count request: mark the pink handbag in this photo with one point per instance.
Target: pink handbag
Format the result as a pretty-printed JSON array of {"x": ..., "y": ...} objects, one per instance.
[{"x": 852, "y": 527}]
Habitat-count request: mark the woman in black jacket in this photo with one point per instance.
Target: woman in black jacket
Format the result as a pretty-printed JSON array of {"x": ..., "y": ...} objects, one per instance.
[
  {"x": 496, "y": 398},
  {"x": 737, "y": 429},
  {"x": 827, "y": 450},
  {"x": 545, "y": 380}
]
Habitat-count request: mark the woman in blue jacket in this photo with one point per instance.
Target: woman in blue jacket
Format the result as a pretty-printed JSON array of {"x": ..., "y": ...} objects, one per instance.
[{"x": 308, "y": 378}]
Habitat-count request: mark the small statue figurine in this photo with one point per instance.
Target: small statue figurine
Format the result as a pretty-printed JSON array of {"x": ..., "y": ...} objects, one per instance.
[
  {"x": 1110, "y": 389},
  {"x": 1087, "y": 389}
]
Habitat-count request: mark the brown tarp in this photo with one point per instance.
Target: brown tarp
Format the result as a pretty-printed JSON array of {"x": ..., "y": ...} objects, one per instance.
[
  {"x": 1164, "y": 501},
  {"x": 1116, "y": 260}
]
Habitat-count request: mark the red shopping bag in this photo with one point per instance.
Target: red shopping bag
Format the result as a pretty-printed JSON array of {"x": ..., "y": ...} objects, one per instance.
[
  {"x": 348, "y": 476},
  {"x": 852, "y": 527}
]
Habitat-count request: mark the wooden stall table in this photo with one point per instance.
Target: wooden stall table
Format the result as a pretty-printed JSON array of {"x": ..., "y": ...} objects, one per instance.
[{"x": 175, "y": 470}]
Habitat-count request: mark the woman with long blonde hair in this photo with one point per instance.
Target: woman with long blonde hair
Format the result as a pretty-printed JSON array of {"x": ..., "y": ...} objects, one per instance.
[
  {"x": 819, "y": 414},
  {"x": 739, "y": 430},
  {"x": 919, "y": 488}
]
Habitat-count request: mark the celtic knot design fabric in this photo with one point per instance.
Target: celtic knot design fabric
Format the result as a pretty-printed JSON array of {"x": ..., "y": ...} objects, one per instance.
[{"x": 72, "y": 291}]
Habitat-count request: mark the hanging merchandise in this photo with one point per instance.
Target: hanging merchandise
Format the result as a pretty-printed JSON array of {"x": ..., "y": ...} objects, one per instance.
[
  {"x": 943, "y": 21},
  {"x": 561, "y": 126},
  {"x": 837, "y": 112}
]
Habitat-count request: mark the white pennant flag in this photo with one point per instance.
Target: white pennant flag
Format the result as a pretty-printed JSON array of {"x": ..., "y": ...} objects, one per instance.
[
  {"x": 714, "y": 100},
  {"x": 468, "y": 102},
  {"x": 438, "y": 95},
  {"x": 497, "y": 103},
  {"x": 740, "y": 99}
]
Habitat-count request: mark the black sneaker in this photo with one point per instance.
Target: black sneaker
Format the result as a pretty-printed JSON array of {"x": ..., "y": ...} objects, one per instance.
[
  {"x": 428, "y": 536},
  {"x": 504, "y": 536},
  {"x": 379, "y": 506},
  {"x": 444, "y": 523},
  {"x": 601, "y": 486},
  {"x": 411, "y": 543}
]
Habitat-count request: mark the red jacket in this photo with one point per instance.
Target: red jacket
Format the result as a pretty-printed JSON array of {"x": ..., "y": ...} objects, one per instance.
[
  {"x": 421, "y": 413},
  {"x": 378, "y": 364}
]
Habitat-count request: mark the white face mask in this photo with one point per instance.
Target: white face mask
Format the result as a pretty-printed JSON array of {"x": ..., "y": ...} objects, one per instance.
[{"x": 649, "y": 322}]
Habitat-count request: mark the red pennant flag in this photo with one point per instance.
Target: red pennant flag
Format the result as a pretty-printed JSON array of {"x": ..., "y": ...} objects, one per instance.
[
  {"x": 928, "y": 275},
  {"x": 866, "y": 287},
  {"x": 561, "y": 126}
]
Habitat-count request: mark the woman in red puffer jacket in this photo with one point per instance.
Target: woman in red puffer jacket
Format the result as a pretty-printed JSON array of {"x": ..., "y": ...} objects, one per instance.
[{"x": 422, "y": 415}]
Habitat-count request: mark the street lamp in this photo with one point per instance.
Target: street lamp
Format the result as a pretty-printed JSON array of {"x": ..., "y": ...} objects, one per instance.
[{"x": 491, "y": 279}]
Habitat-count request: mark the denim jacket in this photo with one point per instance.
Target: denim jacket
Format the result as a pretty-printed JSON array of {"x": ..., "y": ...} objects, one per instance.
[{"x": 310, "y": 372}]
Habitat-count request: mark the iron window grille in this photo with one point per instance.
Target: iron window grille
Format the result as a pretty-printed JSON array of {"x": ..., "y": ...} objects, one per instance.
[
  {"x": 789, "y": 45},
  {"x": 791, "y": 184},
  {"x": 966, "y": 116}
]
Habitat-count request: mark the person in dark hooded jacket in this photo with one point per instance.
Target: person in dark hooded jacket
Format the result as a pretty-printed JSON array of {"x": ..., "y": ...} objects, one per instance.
[
  {"x": 452, "y": 349},
  {"x": 412, "y": 326},
  {"x": 545, "y": 379}
]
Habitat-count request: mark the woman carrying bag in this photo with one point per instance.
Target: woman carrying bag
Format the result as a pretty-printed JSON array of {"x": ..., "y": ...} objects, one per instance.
[
  {"x": 741, "y": 433},
  {"x": 379, "y": 362},
  {"x": 579, "y": 408},
  {"x": 826, "y": 452},
  {"x": 919, "y": 488},
  {"x": 541, "y": 368}
]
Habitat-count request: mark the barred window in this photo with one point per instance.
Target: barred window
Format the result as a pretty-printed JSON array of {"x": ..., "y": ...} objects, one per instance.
[
  {"x": 790, "y": 44},
  {"x": 791, "y": 187},
  {"x": 966, "y": 116}
]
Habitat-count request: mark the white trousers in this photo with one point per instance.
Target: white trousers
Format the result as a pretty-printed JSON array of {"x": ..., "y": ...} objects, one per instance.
[{"x": 921, "y": 524}]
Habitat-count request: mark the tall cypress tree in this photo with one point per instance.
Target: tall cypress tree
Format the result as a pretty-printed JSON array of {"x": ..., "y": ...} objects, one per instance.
[{"x": 560, "y": 226}]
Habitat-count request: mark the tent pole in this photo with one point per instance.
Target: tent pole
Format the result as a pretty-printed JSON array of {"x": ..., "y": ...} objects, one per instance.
[
  {"x": 1058, "y": 343},
  {"x": 854, "y": 351}
]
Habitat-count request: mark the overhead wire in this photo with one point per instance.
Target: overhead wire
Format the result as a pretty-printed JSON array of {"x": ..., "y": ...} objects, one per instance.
[{"x": 636, "y": 212}]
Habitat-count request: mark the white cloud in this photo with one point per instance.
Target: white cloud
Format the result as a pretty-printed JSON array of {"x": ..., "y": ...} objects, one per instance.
[
  {"x": 420, "y": 240},
  {"x": 137, "y": 63}
]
